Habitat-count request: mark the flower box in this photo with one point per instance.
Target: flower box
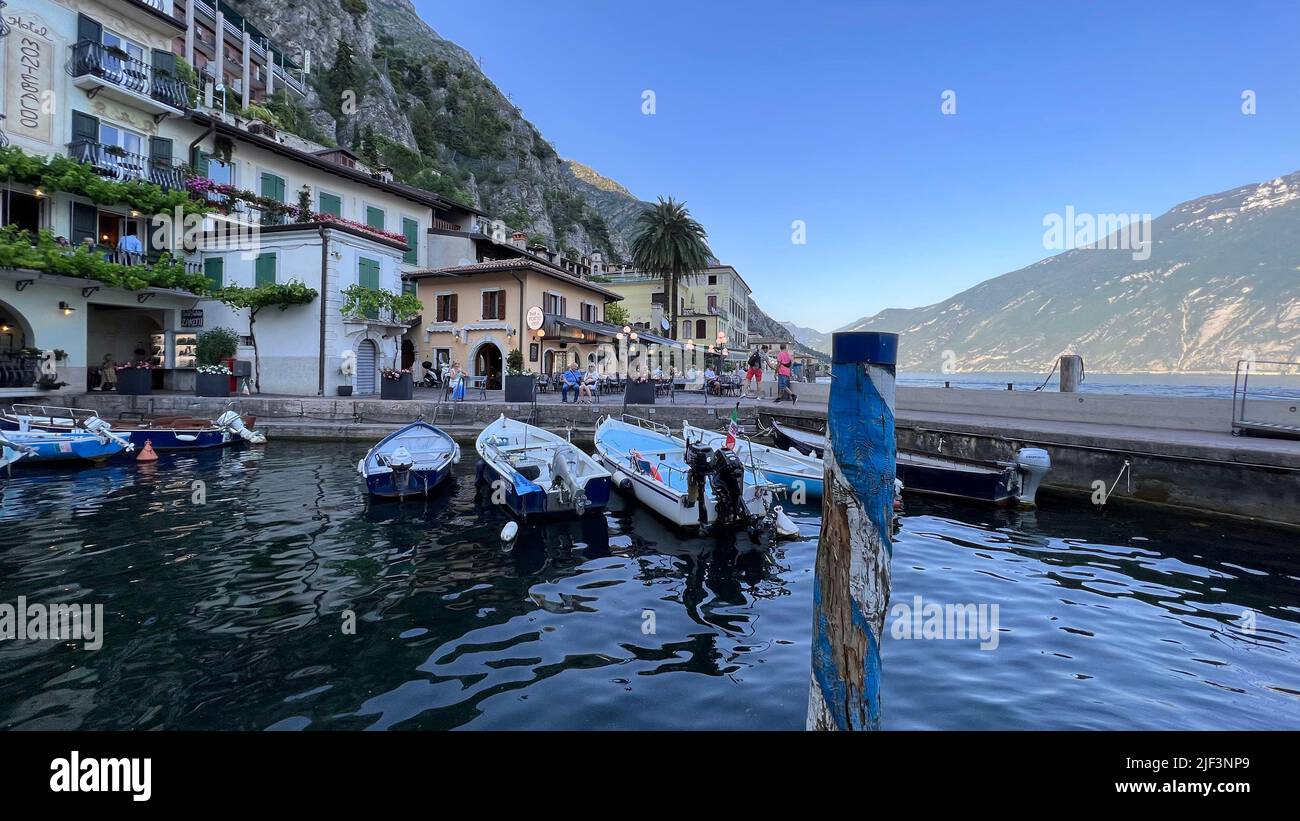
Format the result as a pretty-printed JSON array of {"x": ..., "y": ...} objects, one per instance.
[
  {"x": 403, "y": 388},
  {"x": 345, "y": 390},
  {"x": 639, "y": 393},
  {"x": 520, "y": 388},
  {"x": 135, "y": 381}
]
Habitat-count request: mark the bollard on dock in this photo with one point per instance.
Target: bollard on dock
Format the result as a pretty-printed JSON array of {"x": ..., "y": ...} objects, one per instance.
[{"x": 851, "y": 587}]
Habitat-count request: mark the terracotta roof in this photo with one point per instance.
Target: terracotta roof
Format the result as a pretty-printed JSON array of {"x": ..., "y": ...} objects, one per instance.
[{"x": 513, "y": 264}]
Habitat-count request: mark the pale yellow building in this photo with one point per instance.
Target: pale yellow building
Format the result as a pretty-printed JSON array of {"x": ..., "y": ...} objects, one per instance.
[{"x": 475, "y": 314}]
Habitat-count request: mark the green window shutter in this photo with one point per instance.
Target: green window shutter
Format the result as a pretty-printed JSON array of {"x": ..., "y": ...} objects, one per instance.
[
  {"x": 375, "y": 217},
  {"x": 200, "y": 162},
  {"x": 272, "y": 187},
  {"x": 331, "y": 204},
  {"x": 85, "y": 223},
  {"x": 411, "y": 230},
  {"x": 160, "y": 151},
  {"x": 368, "y": 277},
  {"x": 214, "y": 268},
  {"x": 88, "y": 29},
  {"x": 265, "y": 269},
  {"x": 84, "y": 128},
  {"x": 164, "y": 63}
]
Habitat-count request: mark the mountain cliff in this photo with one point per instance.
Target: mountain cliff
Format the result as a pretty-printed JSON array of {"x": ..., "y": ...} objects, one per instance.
[
  {"x": 1220, "y": 283},
  {"x": 387, "y": 86}
]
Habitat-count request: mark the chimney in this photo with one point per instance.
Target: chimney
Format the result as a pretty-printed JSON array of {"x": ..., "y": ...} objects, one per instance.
[
  {"x": 383, "y": 173},
  {"x": 520, "y": 240}
]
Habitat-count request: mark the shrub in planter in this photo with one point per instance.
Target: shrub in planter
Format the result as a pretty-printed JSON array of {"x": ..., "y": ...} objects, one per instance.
[
  {"x": 519, "y": 384},
  {"x": 215, "y": 346},
  {"x": 212, "y": 380},
  {"x": 396, "y": 384},
  {"x": 135, "y": 379}
]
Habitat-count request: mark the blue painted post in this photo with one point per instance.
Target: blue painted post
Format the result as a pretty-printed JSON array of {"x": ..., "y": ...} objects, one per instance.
[{"x": 851, "y": 588}]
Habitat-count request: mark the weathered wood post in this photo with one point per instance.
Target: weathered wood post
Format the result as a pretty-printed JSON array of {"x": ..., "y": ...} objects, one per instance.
[{"x": 851, "y": 588}]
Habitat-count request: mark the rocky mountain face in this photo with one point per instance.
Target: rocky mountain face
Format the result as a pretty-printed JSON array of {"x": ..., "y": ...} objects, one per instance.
[
  {"x": 386, "y": 86},
  {"x": 810, "y": 337},
  {"x": 1222, "y": 282},
  {"x": 760, "y": 324}
]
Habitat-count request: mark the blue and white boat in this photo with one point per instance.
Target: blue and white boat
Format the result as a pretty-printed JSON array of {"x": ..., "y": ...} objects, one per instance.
[
  {"x": 801, "y": 475},
  {"x": 692, "y": 485},
  {"x": 11, "y": 452},
  {"x": 541, "y": 474},
  {"x": 163, "y": 434},
  {"x": 81, "y": 447},
  {"x": 412, "y": 461}
]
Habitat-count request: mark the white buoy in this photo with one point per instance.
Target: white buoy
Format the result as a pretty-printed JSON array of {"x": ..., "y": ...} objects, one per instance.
[{"x": 509, "y": 532}]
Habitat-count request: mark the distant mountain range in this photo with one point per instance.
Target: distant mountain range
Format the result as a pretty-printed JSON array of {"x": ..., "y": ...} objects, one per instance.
[
  {"x": 814, "y": 339},
  {"x": 1222, "y": 282}
]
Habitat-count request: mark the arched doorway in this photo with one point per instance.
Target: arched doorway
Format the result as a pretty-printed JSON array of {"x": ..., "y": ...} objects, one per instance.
[
  {"x": 16, "y": 371},
  {"x": 548, "y": 363},
  {"x": 487, "y": 362},
  {"x": 367, "y": 367},
  {"x": 408, "y": 354}
]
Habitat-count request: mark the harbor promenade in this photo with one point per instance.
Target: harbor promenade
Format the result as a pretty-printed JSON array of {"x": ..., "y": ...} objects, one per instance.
[{"x": 1107, "y": 450}]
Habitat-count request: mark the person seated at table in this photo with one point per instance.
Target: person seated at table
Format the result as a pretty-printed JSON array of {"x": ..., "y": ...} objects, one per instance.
[
  {"x": 588, "y": 386},
  {"x": 711, "y": 379},
  {"x": 456, "y": 378},
  {"x": 692, "y": 375},
  {"x": 572, "y": 379}
]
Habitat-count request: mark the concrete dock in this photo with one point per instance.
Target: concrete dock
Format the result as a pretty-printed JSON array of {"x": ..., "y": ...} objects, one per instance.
[{"x": 1179, "y": 452}]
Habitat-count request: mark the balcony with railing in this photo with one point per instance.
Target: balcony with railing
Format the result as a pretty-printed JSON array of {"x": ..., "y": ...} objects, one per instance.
[
  {"x": 100, "y": 69},
  {"x": 121, "y": 165}
]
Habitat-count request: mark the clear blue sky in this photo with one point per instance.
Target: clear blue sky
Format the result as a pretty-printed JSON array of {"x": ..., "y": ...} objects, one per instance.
[{"x": 829, "y": 112}]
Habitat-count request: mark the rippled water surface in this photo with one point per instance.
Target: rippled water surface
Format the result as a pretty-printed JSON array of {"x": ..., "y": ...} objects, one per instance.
[{"x": 231, "y": 614}]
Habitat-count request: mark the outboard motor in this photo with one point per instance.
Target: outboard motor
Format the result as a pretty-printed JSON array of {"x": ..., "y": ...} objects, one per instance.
[
  {"x": 1032, "y": 464},
  {"x": 564, "y": 467},
  {"x": 699, "y": 464},
  {"x": 729, "y": 486},
  {"x": 104, "y": 431},
  {"x": 400, "y": 463},
  {"x": 234, "y": 423}
]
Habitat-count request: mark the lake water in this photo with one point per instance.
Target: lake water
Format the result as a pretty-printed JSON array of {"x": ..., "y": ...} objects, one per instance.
[
  {"x": 230, "y": 614},
  {"x": 1267, "y": 382}
]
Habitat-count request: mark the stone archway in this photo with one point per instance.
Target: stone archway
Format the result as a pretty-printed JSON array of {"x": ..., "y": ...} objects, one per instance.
[
  {"x": 488, "y": 359},
  {"x": 15, "y": 334}
]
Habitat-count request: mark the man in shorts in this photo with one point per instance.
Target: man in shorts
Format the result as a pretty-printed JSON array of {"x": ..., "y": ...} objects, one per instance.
[
  {"x": 755, "y": 373},
  {"x": 784, "y": 361}
]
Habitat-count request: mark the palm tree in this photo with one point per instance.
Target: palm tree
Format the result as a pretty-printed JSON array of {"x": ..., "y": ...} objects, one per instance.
[{"x": 670, "y": 243}]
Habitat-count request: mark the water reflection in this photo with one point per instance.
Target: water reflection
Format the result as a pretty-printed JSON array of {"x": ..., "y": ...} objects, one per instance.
[{"x": 232, "y": 614}]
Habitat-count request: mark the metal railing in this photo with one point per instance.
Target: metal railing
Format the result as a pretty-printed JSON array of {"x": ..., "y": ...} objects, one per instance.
[
  {"x": 124, "y": 71},
  {"x": 1284, "y": 404},
  {"x": 119, "y": 164}
]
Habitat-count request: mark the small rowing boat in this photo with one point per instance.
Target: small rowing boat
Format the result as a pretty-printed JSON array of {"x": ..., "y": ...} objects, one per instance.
[
  {"x": 691, "y": 485},
  {"x": 541, "y": 474},
  {"x": 41, "y": 447},
  {"x": 801, "y": 475},
  {"x": 163, "y": 433},
  {"x": 412, "y": 461},
  {"x": 998, "y": 483}
]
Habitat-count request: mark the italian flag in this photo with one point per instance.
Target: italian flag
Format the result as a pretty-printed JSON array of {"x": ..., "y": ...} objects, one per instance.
[{"x": 733, "y": 428}]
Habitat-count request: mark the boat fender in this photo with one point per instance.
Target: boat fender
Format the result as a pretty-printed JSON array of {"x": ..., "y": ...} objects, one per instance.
[
  {"x": 509, "y": 532},
  {"x": 795, "y": 450},
  {"x": 785, "y": 527}
]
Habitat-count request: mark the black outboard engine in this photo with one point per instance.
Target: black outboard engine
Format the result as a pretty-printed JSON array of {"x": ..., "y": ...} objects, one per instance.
[
  {"x": 729, "y": 486},
  {"x": 699, "y": 463}
]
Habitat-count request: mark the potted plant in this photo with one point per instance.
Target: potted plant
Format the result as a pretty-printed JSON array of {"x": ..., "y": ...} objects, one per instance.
[
  {"x": 519, "y": 384},
  {"x": 213, "y": 351},
  {"x": 212, "y": 380},
  {"x": 396, "y": 384},
  {"x": 135, "y": 379},
  {"x": 640, "y": 391}
]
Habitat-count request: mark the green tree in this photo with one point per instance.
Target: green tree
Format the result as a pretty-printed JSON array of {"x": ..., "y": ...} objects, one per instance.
[
  {"x": 670, "y": 243},
  {"x": 282, "y": 296},
  {"x": 616, "y": 314}
]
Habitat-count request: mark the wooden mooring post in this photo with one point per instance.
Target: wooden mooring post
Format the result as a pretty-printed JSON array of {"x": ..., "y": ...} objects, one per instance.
[{"x": 851, "y": 588}]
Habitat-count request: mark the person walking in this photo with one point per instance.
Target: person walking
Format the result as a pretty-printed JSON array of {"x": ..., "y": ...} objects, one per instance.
[
  {"x": 783, "y": 362},
  {"x": 754, "y": 375}
]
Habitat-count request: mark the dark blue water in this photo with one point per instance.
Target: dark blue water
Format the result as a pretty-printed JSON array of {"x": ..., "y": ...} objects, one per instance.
[{"x": 230, "y": 614}]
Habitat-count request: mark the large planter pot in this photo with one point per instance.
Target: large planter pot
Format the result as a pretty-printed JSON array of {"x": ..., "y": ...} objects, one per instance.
[
  {"x": 135, "y": 381},
  {"x": 639, "y": 393},
  {"x": 345, "y": 390},
  {"x": 211, "y": 384},
  {"x": 520, "y": 388},
  {"x": 402, "y": 388}
]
